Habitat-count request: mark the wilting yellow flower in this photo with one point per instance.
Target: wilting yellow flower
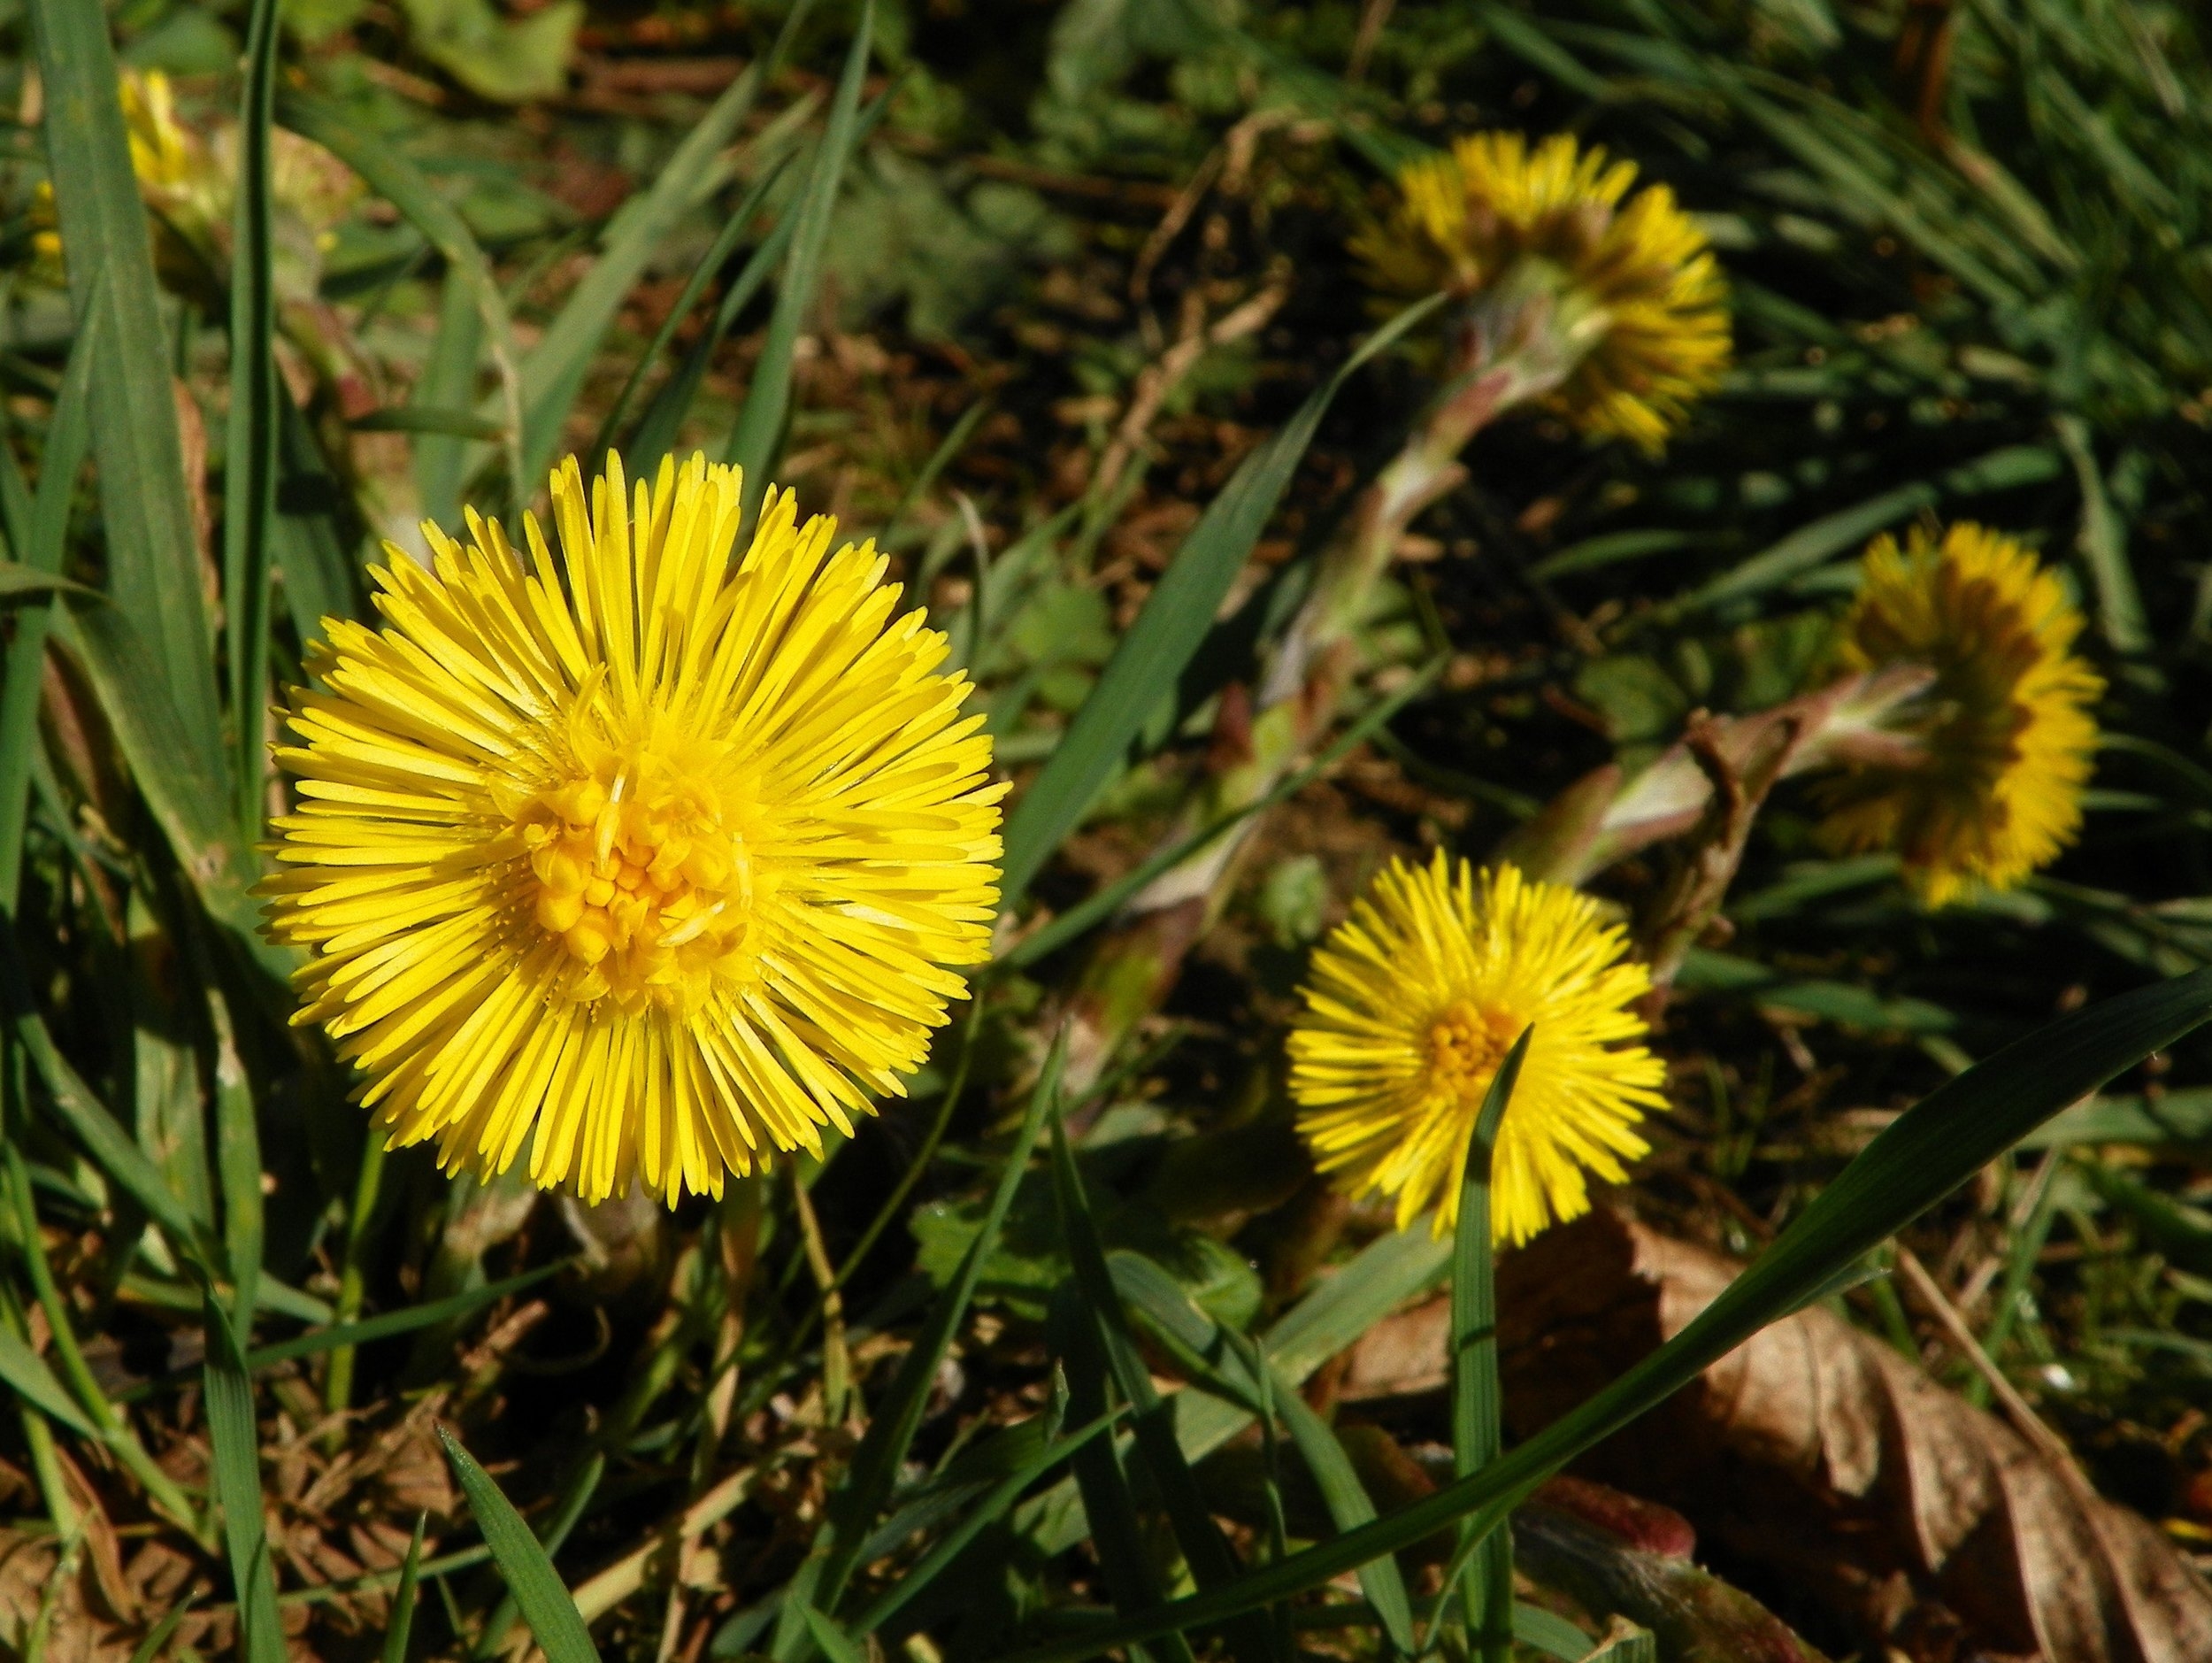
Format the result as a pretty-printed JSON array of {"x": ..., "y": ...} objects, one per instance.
[
  {"x": 650, "y": 855},
  {"x": 191, "y": 181},
  {"x": 1414, "y": 1000},
  {"x": 2009, "y": 736},
  {"x": 1637, "y": 292}
]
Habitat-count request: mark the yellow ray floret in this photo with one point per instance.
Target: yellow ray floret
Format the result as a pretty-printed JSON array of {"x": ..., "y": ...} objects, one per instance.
[
  {"x": 1412, "y": 1004},
  {"x": 2009, "y": 737},
  {"x": 1636, "y": 266},
  {"x": 649, "y": 856}
]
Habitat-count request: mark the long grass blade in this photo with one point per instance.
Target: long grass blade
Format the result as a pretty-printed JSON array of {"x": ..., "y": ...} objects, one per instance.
[
  {"x": 250, "y": 453},
  {"x": 891, "y": 1430},
  {"x": 1152, "y": 1418},
  {"x": 237, "y": 1444},
  {"x": 38, "y": 531},
  {"x": 546, "y": 1604},
  {"x": 758, "y": 434},
  {"x": 401, "y": 1626},
  {"x": 1477, "y": 1407},
  {"x": 1920, "y": 1158},
  {"x": 153, "y": 558},
  {"x": 400, "y": 182},
  {"x": 1175, "y": 619}
]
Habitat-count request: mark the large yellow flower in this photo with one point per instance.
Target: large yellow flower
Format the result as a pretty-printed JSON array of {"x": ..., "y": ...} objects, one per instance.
[
  {"x": 2008, "y": 738},
  {"x": 649, "y": 856},
  {"x": 1635, "y": 281},
  {"x": 1414, "y": 1000}
]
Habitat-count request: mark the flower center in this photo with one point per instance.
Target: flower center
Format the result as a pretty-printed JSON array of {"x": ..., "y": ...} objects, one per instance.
[
  {"x": 1466, "y": 1043},
  {"x": 643, "y": 874}
]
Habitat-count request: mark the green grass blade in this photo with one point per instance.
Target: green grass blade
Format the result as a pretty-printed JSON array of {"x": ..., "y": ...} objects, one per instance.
[
  {"x": 1229, "y": 1365},
  {"x": 153, "y": 558},
  {"x": 237, "y": 1163},
  {"x": 2103, "y": 544},
  {"x": 1096, "y": 908},
  {"x": 185, "y": 786},
  {"x": 38, "y": 531},
  {"x": 236, "y": 1439},
  {"x": 26, "y": 1374},
  {"x": 402, "y": 1619},
  {"x": 95, "y": 1130},
  {"x": 1925, "y": 1153},
  {"x": 664, "y": 418},
  {"x": 322, "y": 577},
  {"x": 836, "y": 1646},
  {"x": 717, "y": 256},
  {"x": 400, "y": 182},
  {"x": 1175, "y": 619},
  {"x": 546, "y": 1604},
  {"x": 1476, "y": 1408},
  {"x": 882, "y": 1452},
  {"x": 1153, "y": 1420},
  {"x": 759, "y": 434},
  {"x": 449, "y": 384},
  {"x": 250, "y": 451},
  {"x": 1117, "y": 1535},
  {"x": 553, "y": 372},
  {"x": 978, "y": 1518}
]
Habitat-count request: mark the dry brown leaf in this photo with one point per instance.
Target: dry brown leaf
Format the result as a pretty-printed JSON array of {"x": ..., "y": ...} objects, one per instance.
[{"x": 1820, "y": 1452}]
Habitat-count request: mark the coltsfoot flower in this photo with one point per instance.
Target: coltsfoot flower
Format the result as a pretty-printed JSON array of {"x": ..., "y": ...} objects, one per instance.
[
  {"x": 651, "y": 855},
  {"x": 2010, "y": 738},
  {"x": 1412, "y": 1004},
  {"x": 1638, "y": 297}
]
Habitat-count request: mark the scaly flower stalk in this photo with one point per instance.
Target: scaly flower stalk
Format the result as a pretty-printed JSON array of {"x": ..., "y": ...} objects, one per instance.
[
  {"x": 1611, "y": 311},
  {"x": 1957, "y": 733}
]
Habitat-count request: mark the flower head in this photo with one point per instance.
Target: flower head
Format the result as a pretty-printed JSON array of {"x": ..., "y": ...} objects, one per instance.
[
  {"x": 649, "y": 855},
  {"x": 1648, "y": 303},
  {"x": 1413, "y": 1002},
  {"x": 190, "y": 182},
  {"x": 2006, "y": 744}
]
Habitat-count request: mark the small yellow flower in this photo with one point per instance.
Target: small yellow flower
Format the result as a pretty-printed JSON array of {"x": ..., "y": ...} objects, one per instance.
[
  {"x": 1650, "y": 314},
  {"x": 649, "y": 855},
  {"x": 1414, "y": 1000},
  {"x": 2009, "y": 737}
]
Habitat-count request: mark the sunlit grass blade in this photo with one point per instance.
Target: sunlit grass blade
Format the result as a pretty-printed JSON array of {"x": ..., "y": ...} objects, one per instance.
[
  {"x": 891, "y": 1429},
  {"x": 717, "y": 256},
  {"x": 1096, "y": 908},
  {"x": 449, "y": 383},
  {"x": 38, "y": 530},
  {"x": 1153, "y": 1422},
  {"x": 250, "y": 466},
  {"x": 1176, "y": 618},
  {"x": 400, "y": 182},
  {"x": 152, "y": 554},
  {"x": 553, "y": 371},
  {"x": 1477, "y": 1407},
  {"x": 402, "y": 1625},
  {"x": 528, "y": 1573},
  {"x": 186, "y": 786},
  {"x": 236, "y": 1439},
  {"x": 759, "y": 434},
  {"x": 1925, "y": 1153},
  {"x": 237, "y": 1161},
  {"x": 836, "y": 1646}
]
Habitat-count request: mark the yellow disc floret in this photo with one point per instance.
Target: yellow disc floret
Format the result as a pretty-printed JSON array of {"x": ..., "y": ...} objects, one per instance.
[
  {"x": 1414, "y": 1000},
  {"x": 651, "y": 855},
  {"x": 2007, "y": 738},
  {"x": 1639, "y": 275}
]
